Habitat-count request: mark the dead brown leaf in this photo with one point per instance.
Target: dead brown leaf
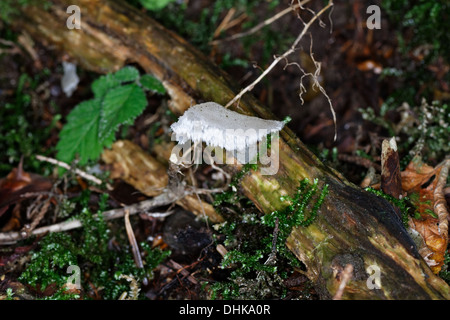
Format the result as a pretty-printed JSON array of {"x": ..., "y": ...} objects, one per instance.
[
  {"x": 421, "y": 179},
  {"x": 18, "y": 183}
]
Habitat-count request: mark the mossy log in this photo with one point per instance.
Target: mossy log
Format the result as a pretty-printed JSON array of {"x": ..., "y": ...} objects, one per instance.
[{"x": 352, "y": 226}]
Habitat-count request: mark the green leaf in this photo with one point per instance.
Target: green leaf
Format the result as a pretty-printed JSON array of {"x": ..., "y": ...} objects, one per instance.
[
  {"x": 151, "y": 83},
  {"x": 80, "y": 134},
  {"x": 127, "y": 74},
  {"x": 104, "y": 83},
  {"x": 120, "y": 106},
  {"x": 92, "y": 124}
]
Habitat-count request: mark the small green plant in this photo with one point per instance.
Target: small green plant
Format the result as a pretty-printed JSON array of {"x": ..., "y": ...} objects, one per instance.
[
  {"x": 18, "y": 134},
  {"x": 118, "y": 99},
  {"x": 425, "y": 127}
]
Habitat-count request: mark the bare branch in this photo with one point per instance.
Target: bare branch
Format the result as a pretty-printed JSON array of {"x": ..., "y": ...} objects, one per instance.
[
  {"x": 161, "y": 200},
  {"x": 346, "y": 276},
  {"x": 64, "y": 165},
  {"x": 262, "y": 24},
  {"x": 284, "y": 56}
]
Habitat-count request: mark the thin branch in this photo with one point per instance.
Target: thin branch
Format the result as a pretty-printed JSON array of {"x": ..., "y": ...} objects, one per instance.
[
  {"x": 360, "y": 161},
  {"x": 64, "y": 165},
  {"x": 262, "y": 24},
  {"x": 161, "y": 200},
  {"x": 346, "y": 276},
  {"x": 132, "y": 240},
  {"x": 282, "y": 57},
  {"x": 227, "y": 23}
]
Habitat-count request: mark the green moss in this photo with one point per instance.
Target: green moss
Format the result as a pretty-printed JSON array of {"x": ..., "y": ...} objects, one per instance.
[
  {"x": 297, "y": 213},
  {"x": 101, "y": 266},
  {"x": 404, "y": 204},
  {"x": 260, "y": 262},
  {"x": 224, "y": 290},
  {"x": 48, "y": 265},
  {"x": 9, "y": 294}
]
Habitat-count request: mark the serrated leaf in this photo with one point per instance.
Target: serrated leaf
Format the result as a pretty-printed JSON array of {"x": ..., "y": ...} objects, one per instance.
[
  {"x": 80, "y": 134},
  {"x": 127, "y": 74},
  {"x": 120, "y": 106},
  {"x": 104, "y": 83},
  {"x": 151, "y": 83}
]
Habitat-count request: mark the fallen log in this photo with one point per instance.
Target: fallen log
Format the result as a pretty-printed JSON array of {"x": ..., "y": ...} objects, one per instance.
[{"x": 352, "y": 226}]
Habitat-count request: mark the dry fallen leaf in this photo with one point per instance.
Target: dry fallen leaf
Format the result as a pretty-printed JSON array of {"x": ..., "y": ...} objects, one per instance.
[
  {"x": 17, "y": 183},
  {"x": 421, "y": 179}
]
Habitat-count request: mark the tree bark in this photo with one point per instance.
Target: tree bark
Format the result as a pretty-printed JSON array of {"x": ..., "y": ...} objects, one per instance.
[{"x": 352, "y": 226}]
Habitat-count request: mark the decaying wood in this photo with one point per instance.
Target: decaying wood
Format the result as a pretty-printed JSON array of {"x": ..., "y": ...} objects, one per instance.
[
  {"x": 352, "y": 226},
  {"x": 391, "y": 181},
  {"x": 139, "y": 169}
]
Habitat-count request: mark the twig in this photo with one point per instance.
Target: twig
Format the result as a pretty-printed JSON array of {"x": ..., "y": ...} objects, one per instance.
[
  {"x": 161, "y": 200},
  {"x": 360, "y": 161},
  {"x": 64, "y": 165},
  {"x": 14, "y": 48},
  {"x": 227, "y": 23},
  {"x": 132, "y": 240},
  {"x": 284, "y": 57},
  {"x": 262, "y": 24},
  {"x": 346, "y": 276},
  {"x": 183, "y": 271}
]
